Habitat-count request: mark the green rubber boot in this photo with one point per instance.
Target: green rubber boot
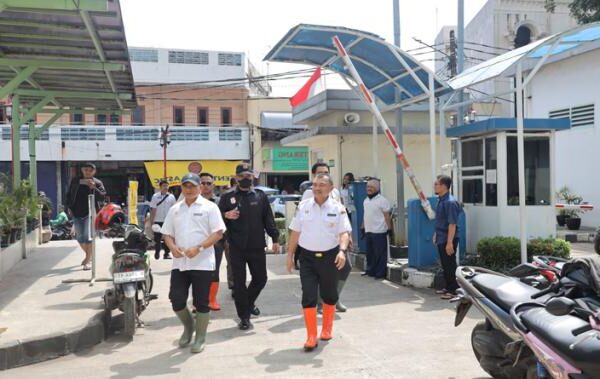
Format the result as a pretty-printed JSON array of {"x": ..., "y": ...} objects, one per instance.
[
  {"x": 339, "y": 306},
  {"x": 185, "y": 316},
  {"x": 201, "y": 326}
]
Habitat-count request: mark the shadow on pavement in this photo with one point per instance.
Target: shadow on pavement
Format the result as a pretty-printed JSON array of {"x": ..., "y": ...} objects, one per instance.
[
  {"x": 283, "y": 360},
  {"x": 157, "y": 365}
]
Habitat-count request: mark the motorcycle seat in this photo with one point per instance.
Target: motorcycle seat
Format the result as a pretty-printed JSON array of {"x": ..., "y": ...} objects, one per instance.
[
  {"x": 504, "y": 291},
  {"x": 556, "y": 332}
]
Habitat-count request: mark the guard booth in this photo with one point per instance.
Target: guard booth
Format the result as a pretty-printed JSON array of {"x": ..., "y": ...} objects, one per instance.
[{"x": 487, "y": 182}]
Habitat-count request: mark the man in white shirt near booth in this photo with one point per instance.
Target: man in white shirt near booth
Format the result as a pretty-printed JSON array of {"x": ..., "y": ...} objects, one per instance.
[
  {"x": 160, "y": 204},
  {"x": 377, "y": 225},
  {"x": 190, "y": 230}
]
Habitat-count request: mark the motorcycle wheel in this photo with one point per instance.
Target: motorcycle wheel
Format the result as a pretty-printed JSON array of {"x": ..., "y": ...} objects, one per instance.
[
  {"x": 494, "y": 342},
  {"x": 597, "y": 243},
  {"x": 129, "y": 311}
]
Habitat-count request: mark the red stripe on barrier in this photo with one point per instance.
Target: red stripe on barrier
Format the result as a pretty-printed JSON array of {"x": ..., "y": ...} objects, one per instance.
[
  {"x": 366, "y": 92},
  {"x": 339, "y": 46},
  {"x": 391, "y": 138}
]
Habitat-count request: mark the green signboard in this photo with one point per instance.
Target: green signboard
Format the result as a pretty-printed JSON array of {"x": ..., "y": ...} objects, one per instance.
[{"x": 290, "y": 159}]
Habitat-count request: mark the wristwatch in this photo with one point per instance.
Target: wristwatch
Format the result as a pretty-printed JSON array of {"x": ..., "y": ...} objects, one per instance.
[{"x": 343, "y": 251}]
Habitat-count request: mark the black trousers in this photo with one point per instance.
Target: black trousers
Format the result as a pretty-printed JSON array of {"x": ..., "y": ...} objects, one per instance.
[
  {"x": 449, "y": 266},
  {"x": 318, "y": 275},
  {"x": 159, "y": 243},
  {"x": 219, "y": 248},
  {"x": 245, "y": 296},
  {"x": 180, "y": 288},
  {"x": 377, "y": 254}
]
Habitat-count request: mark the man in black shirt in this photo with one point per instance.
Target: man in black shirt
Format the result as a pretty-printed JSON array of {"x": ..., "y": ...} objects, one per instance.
[
  {"x": 77, "y": 204},
  {"x": 248, "y": 215}
]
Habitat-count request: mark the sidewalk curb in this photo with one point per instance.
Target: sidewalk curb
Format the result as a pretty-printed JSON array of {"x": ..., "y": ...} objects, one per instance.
[{"x": 38, "y": 349}]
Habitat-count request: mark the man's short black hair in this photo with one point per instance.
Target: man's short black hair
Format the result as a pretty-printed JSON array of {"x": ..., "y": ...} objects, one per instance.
[
  {"x": 317, "y": 165},
  {"x": 162, "y": 182},
  {"x": 445, "y": 180},
  {"x": 207, "y": 174}
]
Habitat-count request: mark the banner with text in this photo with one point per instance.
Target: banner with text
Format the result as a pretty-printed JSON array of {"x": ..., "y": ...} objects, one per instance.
[{"x": 221, "y": 170}]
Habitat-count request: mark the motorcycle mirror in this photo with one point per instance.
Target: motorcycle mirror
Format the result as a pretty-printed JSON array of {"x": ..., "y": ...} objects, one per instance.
[
  {"x": 560, "y": 306},
  {"x": 156, "y": 228}
]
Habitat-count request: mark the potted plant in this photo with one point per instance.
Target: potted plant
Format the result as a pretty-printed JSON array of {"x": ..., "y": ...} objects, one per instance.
[{"x": 565, "y": 196}]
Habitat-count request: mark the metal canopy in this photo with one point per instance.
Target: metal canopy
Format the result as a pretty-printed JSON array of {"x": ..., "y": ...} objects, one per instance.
[
  {"x": 383, "y": 67},
  {"x": 71, "y": 53},
  {"x": 552, "y": 48}
]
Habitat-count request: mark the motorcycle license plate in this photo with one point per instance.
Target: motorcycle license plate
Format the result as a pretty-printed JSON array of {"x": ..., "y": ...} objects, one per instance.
[{"x": 129, "y": 276}]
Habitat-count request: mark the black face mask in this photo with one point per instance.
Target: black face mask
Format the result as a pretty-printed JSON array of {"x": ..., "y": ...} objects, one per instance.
[
  {"x": 373, "y": 195},
  {"x": 245, "y": 183}
]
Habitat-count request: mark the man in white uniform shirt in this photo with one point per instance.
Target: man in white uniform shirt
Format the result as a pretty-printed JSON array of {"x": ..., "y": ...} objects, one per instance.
[
  {"x": 322, "y": 168},
  {"x": 190, "y": 230},
  {"x": 377, "y": 224},
  {"x": 320, "y": 234},
  {"x": 160, "y": 204}
]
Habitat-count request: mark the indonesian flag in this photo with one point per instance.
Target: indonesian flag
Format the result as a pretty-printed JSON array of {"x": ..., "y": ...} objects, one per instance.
[{"x": 308, "y": 89}]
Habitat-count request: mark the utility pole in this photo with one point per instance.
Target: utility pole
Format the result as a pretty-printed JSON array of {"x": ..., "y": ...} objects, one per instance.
[
  {"x": 400, "y": 231},
  {"x": 452, "y": 58},
  {"x": 165, "y": 140}
]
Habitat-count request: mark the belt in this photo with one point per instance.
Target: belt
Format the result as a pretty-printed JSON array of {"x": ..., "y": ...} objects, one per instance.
[{"x": 319, "y": 254}]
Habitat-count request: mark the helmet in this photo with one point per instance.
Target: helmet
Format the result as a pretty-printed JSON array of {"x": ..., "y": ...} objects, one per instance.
[{"x": 109, "y": 215}]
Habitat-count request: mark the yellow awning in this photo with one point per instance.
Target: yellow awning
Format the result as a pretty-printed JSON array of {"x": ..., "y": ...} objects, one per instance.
[{"x": 221, "y": 170}]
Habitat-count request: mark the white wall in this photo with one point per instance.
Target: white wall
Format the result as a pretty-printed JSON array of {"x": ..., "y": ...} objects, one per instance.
[
  {"x": 165, "y": 72},
  {"x": 564, "y": 84}
]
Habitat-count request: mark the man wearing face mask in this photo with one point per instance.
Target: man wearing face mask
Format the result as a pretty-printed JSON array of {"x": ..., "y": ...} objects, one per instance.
[{"x": 248, "y": 215}]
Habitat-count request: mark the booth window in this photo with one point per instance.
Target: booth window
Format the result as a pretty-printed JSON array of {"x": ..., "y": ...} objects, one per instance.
[
  {"x": 537, "y": 171},
  {"x": 478, "y": 171},
  {"x": 491, "y": 166}
]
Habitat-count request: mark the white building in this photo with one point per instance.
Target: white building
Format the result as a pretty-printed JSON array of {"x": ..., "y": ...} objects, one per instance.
[
  {"x": 500, "y": 26},
  {"x": 569, "y": 88}
]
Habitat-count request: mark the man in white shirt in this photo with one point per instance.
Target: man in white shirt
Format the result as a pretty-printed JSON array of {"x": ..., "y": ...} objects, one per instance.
[
  {"x": 190, "y": 230},
  {"x": 160, "y": 204},
  {"x": 377, "y": 224},
  {"x": 322, "y": 168},
  {"x": 320, "y": 234}
]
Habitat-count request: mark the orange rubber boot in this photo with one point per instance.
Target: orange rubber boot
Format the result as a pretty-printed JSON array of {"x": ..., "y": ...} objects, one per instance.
[
  {"x": 212, "y": 297},
  {"x": 310, "y": 320},
  {"x": 328, "y": 316}
]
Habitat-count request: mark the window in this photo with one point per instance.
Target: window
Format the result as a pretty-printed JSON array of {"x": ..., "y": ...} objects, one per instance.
[
  {"x": 188, "y": 57},
  {"x": 76, "y": 118},
  {"x": 523, "y": 36},
  {"x": 537, "y": 171},
  {"x": 115, "y": 119},
  {"x": 203, "y": 116},
  {"x": 143, "y": 55},
  {"x": 582, "y": 115},
  {"x": 226, "y": 116},
  {"x": 226, "y": 59},
  {"x": 101, "y": 119},
  {"x": 478, "y": 171},
  {"x": 138, "y": 116},
  {"x": 178, "y": 116}
]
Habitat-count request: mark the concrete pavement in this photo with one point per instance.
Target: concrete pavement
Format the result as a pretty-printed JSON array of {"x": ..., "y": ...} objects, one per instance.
[{"x": 389, "y": 332}]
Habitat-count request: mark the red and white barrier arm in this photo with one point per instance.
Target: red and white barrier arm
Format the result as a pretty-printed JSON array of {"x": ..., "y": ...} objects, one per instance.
[
  {"x": 369, "y": 100},
  {"x": 584, "y": 207}
]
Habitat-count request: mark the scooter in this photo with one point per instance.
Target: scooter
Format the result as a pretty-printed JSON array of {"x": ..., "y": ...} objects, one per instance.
[
  {"x": 564, "y": 333},
  {"x": 62, "y": 231},
  {"x": 496, "y": 343},
  {"x": 108, "y": 219},
  {"x": 543, "y": 271},
  {"x": 132, "y": 278}
]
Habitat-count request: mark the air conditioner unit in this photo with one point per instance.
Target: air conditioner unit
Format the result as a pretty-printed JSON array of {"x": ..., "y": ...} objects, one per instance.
[{"x": 351, "y": 118}]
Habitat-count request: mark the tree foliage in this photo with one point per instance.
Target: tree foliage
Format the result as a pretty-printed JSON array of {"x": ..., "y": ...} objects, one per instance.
[{"x": 584, "y": 11}]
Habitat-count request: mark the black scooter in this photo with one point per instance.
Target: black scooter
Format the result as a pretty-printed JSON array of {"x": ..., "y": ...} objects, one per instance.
[
  {"x": 62, "y": 232},
  {"x": 132, "y": 278}
]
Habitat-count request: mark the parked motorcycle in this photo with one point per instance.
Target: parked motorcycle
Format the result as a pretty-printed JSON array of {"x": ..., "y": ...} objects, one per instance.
[
  {"x": 108, "y": 218},
  {"x": 564, "y": 333},
  {"x": 597, "y": 241},
  {"x": 132, "y": 278},
  {"x": 62, "y": 231},
  {"x": 543, "y": 271}
]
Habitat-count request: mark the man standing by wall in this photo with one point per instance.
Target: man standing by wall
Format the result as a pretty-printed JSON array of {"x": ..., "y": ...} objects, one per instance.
[
  {"x": 191, "y": 228},
  {"x": 446, "y": 233},
  {"x": 247, "y": 213},
  {"x": 320, "y": 234},
  {"x": 377, "y": 224},
  {"x": 160, "y": 204},
  {"x": 77, "y": 203}
]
